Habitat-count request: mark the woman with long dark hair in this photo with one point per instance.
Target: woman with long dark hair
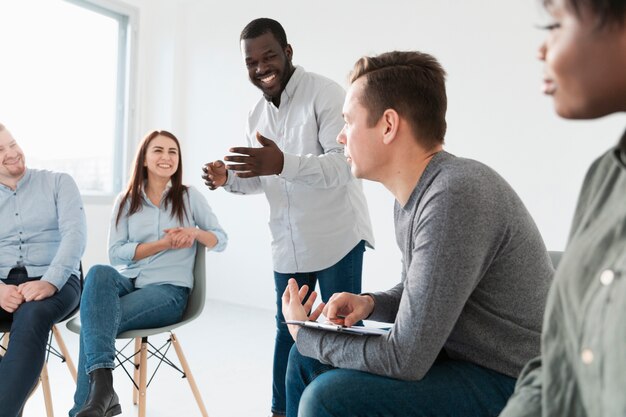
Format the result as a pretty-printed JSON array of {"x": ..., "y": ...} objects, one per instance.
[{"x": 152, "y": 244}]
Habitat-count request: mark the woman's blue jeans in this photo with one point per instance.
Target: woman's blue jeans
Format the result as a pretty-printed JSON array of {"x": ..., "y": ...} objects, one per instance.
[
  {"x": 345, "y": 275},
  {"x": 110, "y": 305},
  {"x": 450, "y": 388}
]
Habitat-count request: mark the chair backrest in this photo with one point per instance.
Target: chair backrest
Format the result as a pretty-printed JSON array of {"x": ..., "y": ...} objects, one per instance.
[
  {"x": 555, "y": 257},
  {"x": 195, "y": 304}
]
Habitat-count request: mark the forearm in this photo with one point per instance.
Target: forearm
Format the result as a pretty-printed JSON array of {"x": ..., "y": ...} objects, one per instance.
[
  {"x": 208, "y": 239},
  {"x": 237, "y": 185},
  {"x": 386, "y": 304},
  {"x": 144, "y": 250},
  {"x": 318, "y": 171},
  {"x": 380, "y": 355}
]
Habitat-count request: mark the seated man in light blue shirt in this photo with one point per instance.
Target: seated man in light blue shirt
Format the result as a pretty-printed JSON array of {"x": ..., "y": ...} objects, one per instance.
[{"x": 42, "y": 239}]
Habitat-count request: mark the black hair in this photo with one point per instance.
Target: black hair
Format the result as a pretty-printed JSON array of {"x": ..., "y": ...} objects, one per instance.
[
  {"x": 608, "y": 12},
  {"x": 262, "y": 26}
]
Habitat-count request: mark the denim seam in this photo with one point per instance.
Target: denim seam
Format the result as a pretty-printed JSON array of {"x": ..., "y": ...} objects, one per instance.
[
  {"x": 107, "y": 365},
  {"x": 169, "y": 302}
]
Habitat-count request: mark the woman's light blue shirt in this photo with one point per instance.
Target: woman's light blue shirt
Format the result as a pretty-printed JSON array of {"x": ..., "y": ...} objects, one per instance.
[{"x": 173, "y": 266}]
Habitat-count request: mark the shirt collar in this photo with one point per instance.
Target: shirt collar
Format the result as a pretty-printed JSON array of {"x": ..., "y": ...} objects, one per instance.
[
  {"x": 292, "y": 84},
  {"x": 21, "y": 181},
  {"x": 25, "y": 178},
  {"x": 145, "y": 196}
]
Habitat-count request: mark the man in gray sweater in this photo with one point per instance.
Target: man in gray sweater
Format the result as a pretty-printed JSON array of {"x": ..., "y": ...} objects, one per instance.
[{"x": 467, "y": 313}]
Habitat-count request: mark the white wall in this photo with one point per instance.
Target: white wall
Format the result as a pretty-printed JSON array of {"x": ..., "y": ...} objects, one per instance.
[{"x": 192, "y": 81}]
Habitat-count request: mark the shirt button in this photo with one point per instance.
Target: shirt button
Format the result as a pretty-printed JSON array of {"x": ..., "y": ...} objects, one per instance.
[
  {"x": 587, "y": 356},
  {"x": 607, "y": 276}
]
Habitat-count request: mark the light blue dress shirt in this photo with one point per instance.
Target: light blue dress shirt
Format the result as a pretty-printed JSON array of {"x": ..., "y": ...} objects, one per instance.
[
  {"x": 43, "y": 226},
  {"x": 173, "y": 266},
  {"x": 318, "y": 212}
]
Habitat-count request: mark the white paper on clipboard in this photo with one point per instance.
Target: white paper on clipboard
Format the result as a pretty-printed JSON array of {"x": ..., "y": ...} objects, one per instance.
[{"x": 358, "y": 330}]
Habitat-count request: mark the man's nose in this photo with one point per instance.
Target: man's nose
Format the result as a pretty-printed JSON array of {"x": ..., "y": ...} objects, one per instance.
[{"x": 341, "y": 137}]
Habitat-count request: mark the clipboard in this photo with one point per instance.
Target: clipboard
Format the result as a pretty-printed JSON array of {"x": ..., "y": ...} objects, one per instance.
[{"x": 356, "y": 330}]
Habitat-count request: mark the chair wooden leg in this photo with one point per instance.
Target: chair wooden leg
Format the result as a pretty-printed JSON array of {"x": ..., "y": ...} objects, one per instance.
[
  {"x": 143, "y": 376},
  {"x": 5, "y": 341},
  {"x": 45, "y": 386},
  {"x": 188, "y": 374},
  {"x": 64, "y": 352},
  {"x": 136, "y": 370}
]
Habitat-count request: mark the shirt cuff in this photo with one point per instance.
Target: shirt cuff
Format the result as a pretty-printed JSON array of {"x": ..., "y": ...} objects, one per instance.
[
  {"x": 229, "y": 178},
  {"x": 291, "y": 165},
  {"x": 55, "y": 276},
  {"x": 126, "y": 252}
]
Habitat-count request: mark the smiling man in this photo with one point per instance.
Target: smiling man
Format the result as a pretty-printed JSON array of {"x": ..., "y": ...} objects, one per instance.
[
  {"x": 318, "y": 215},
  {"x": 467, "y": 311},
  {"x": 42, "y": 239}
]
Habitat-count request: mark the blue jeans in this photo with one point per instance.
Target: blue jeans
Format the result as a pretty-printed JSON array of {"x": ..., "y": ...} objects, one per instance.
[
  {"x": 344, "y": 276},
  {"x": 111, "y": 305},
  {"x": 30, "y": 328},
  {"x": 450, "y": 388}
]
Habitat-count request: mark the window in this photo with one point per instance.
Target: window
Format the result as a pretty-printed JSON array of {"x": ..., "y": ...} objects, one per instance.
[{"x": 65, "y": 87}]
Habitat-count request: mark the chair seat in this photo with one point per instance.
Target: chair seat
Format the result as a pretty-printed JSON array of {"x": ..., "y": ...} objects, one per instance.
[{"x": 74, "y": 326}]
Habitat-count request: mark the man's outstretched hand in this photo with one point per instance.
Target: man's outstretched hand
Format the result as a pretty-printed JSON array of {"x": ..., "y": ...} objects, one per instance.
[{"x": 254, "y": 162}]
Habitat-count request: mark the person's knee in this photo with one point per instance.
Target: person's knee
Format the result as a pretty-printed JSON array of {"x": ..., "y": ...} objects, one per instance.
[
  {"x": 34, "y": 316},
  {"x": 317, "y": 400},
  {"x": 99, "y": 276}
]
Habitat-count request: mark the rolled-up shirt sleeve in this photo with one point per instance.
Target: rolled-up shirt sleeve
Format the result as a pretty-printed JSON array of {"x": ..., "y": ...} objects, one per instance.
[
  {"x": 121, "y": 249},
  {"x": 206, "y": 220}
]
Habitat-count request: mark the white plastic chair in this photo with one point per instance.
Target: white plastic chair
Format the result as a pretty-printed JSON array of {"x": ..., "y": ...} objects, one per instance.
[{"x": 195, "y": 305}]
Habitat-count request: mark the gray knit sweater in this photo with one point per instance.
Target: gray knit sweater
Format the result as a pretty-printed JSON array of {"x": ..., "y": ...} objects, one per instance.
[{"x": 475, "y": 279}]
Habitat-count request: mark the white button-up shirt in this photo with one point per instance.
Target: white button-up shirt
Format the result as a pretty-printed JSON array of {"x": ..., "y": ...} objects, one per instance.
[{"x": 318, "y": 212}]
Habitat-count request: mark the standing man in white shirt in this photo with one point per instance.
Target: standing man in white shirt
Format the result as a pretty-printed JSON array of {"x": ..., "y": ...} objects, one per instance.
[{"x": 318, "y": 214}]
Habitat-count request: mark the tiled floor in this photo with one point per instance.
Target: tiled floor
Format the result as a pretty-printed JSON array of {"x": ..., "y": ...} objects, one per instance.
[{"x": 229, "y": 349}]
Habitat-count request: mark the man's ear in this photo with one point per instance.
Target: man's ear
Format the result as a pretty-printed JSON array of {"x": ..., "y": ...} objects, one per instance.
[
  {"x": 390, "y": 122},
  {"x": 289, "y": 52}
]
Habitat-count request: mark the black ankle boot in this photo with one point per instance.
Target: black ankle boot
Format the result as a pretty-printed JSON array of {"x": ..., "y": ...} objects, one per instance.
[{"x": 102, "y": 400}]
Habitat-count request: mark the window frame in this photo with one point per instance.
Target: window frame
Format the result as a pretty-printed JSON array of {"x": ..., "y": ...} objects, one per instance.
[{"x": 125, "y": 102}]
